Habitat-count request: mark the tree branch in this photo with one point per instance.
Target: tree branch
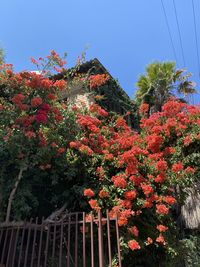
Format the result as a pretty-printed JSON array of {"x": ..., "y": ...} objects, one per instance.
[{"x": 12, "y": 194}]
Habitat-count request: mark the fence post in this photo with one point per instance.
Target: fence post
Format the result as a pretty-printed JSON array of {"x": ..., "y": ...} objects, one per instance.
[{"x": 100, "y": 240}]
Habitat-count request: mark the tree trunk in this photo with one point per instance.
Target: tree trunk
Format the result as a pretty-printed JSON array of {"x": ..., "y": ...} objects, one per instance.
[{"x": 12, "y": 194}]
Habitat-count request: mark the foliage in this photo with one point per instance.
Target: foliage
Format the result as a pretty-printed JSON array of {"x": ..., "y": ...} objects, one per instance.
[
  {"x": 1, "y": 56},
  {"x": 160, "y": 82},
  {"x": 135, "y": 176},
  {"x": 35, "y": 128},
  {"x": 51, "y": 154}
]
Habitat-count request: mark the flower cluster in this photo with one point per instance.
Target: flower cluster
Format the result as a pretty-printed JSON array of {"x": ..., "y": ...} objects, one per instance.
[
  {"x": 98, "y": 80},
  {"x": 138, "y": 180}
]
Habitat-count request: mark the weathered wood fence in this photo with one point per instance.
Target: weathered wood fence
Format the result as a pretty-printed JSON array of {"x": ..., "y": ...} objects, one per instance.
[{"x": 74, "y": 241}]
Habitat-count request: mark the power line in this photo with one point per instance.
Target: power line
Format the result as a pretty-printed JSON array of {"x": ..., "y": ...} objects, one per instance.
[
  {"x": 196, "y": 39},
  {"x": 169, "y": 31},
  {"x": 179, "y": 32}
]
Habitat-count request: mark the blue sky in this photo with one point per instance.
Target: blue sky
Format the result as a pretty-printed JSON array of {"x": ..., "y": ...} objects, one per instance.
[{"x": 124, "y": 35}]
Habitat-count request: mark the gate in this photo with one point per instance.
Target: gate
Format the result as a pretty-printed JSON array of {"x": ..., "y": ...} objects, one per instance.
[{"x": 75, "y": 241}]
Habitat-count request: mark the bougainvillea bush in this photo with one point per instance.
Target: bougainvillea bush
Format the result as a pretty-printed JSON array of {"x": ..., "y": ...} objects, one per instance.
[
  {"x": 35, "y": 128},
  {"x": 52, "y": 154},
  {"x": 140, "y": 177},
  {"x": 39, "y": 173}
]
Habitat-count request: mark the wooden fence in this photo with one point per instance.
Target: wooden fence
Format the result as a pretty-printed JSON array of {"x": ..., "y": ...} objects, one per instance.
[{"x": 74, "y": 241}]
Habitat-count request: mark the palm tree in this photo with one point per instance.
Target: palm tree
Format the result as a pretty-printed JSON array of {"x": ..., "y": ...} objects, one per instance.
[
  {"x": 1, "y": 56},
  {"x": 161, "y": 81}
]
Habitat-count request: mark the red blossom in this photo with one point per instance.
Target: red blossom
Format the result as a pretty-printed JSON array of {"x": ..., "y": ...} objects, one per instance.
[
  {"x": 169, "y": 200},
  {"x": 161, "y": 239},
  {"x": 134, "y": 231},
  {"x": 93, "y": 204},
  {"x": 119, "y": 181},
  {"x": 61, "y": 84},
  {"x": 162, "y": 228},
  {"x": 177, "y": 167},
  {"x": 133, "y": 245},
  {"x": 144, "y": 108},
  {"x": 161, "y": 165},
  {"x": 130, "y": 195},
  {"x": 162, "y": 209},
  {"x": 147, "y": 189},
  {"x": 88, "y": 192},
  {"x": 41, "y": 117},
  {"x": 36, "y": 101},
  {"x": 103, "y": 194},
  {"x": 98, "y": 80},
  {"x": 149, "y": 241}
]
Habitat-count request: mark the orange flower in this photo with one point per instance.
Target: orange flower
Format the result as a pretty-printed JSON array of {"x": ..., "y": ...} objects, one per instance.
[
  {"x": 119, "y": 181},
  {"x": 169, "y": 200},
  {"x": 93, "y": 204},
  {"x": 130, "y": 195},
  {"x": 133, "y": 245},
  {"x": 61, "y": 84},
  {"x": 162, "y": 228},
  {"x": 162, "y": 209},
  {"x": 88, "y": 192},
  {"x": 122, "y": 221},
  {"x": 144, "y": 108},
  {"x": 98, "y": 80},
  {"x": 103, "y": 194},
  {"x": 160, "y": 239},
  {"x": 147, "y": 189}
]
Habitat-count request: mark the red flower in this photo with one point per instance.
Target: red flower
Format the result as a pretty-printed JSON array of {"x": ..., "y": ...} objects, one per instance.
[
  {"x": 45, "y": 107},
  {"x": 30, "y": 134},
  {"x": 134, "y": 231},
  {"x": 75, "y": 145},
  {"x": 161, "y": 165},
  {"x": 88, "y": 192},
  {"x": 93, "y": 204},
  {"x": 61, "y": 84},
  {"x": 169, "y": 200},
  {"x": 160, "y": 178},
  {"x": 18, "y": 98},
  {"x": 41, "y": 117},
  {"x": 162, "y": 209},
  {"x": 177, "y": 167},
  {"x": 98, "y": 80},
  {"x": 161, "y": 228},
  {"x": 189, "y": 170},
  {"x": 130, "y": 195},
  {"x": 144, "y": 108},
  {"x": 60, "y": 150},
  {"x": 187, "y": 141},
  {"x": 119, "y": 181},
  {"x": 103, "y": 194},
  {"x": 86, "y": 150},
  {"x": 160, "y": 239},
  {"x": 147, "y": 189},
  {"x": 51, "y": 96},
  {"x": 149, "y": 241},
  {"x": 36, "y": 101},
  {"x": 133, "y": 245}
]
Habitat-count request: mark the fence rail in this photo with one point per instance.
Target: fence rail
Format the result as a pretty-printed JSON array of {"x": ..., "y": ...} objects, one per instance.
[{"x": 74, "y": 241}]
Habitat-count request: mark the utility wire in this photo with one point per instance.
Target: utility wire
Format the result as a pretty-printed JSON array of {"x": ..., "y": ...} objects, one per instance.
[
  {"x": 179, "y": 32},
  {"x": 169, "y": 31},
  {"x": 196, "y": 39}
]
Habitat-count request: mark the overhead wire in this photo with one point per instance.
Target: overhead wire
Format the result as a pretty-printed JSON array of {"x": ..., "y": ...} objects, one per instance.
[
  {"x": 169, "y": 31},
  {"x": 196, "y": 39},
  {"x": 179, "y": 32}
]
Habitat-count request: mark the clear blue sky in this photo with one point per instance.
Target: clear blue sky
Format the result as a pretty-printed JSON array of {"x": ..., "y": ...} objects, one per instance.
[{"x": 124, "y": 35}]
